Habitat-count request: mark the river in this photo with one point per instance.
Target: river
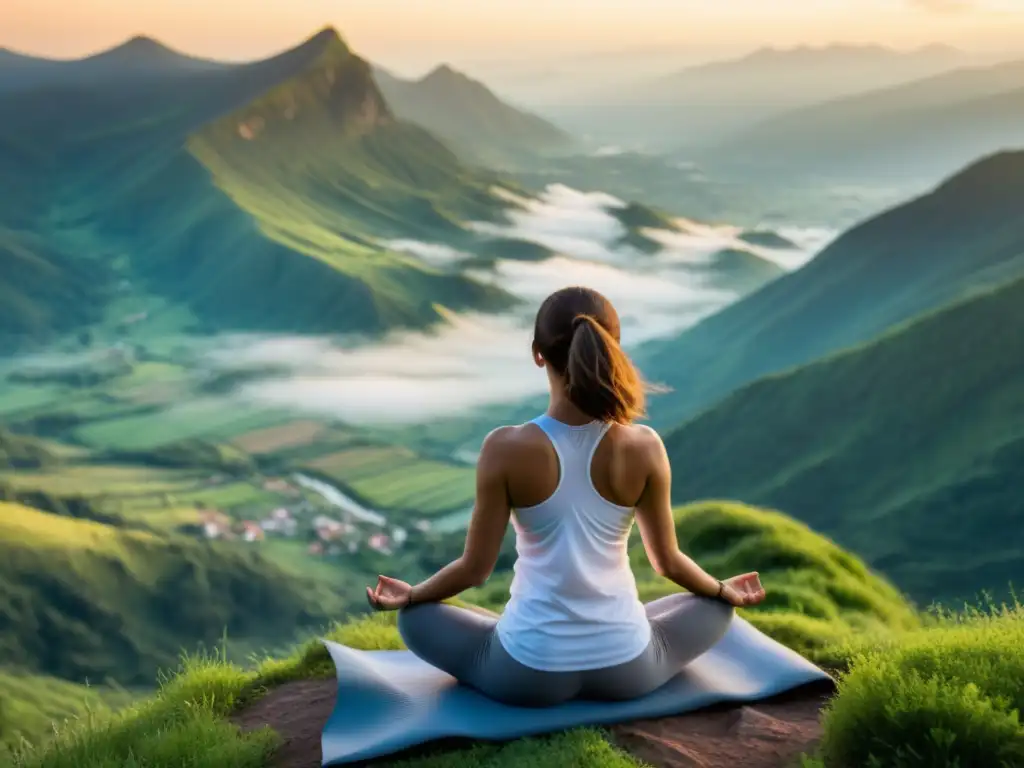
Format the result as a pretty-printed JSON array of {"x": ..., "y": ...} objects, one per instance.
[
  {"x": 338, "y": 499},
  {"x": 449, "y": 523}
]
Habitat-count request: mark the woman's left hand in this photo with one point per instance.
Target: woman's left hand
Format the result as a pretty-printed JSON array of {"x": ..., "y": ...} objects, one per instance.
[{"x": 390, "y": 594}]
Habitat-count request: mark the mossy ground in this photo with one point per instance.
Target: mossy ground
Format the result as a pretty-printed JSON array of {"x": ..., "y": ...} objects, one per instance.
[
  {"x": 915, "y": 690},
  {"x": 945, "y": 694}
]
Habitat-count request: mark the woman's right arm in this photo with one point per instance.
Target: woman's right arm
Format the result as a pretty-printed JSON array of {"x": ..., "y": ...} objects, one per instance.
[{"x": 657, "y": 527}]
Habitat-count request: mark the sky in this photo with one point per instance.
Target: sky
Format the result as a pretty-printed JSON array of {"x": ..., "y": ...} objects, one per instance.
[{"x": 412, "y": 35}]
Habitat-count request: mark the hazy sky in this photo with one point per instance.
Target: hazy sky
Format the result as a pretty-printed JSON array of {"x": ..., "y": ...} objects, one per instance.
[{"x": 416, "y": 33}]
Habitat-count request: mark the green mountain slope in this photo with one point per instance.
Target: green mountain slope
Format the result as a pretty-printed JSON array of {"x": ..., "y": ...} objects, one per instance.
[
  {"x": 256, "y": 196},
  {"x": 81, "y": 600},
  {"x": 967, "y": 234},
  {"x": 923, "y": 128},
  {"x": 466, "y": 114},
  {"x": 906, "y": 450},
  {"x": 43, "y": 289}
]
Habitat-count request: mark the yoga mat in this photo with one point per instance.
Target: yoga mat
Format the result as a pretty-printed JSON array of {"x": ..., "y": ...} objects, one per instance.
[{"x": 390, "y": 700}]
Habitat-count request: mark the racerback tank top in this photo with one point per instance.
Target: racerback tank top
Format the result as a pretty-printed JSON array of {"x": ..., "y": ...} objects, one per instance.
[{"x": 574, "y": 603}]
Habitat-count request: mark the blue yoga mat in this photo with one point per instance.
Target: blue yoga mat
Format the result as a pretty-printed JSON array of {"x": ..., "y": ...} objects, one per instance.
[{"x": 390, "y": 700}]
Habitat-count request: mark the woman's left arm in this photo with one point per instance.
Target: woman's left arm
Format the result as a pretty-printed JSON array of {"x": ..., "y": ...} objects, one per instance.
[{"x": 487, "y": 526}]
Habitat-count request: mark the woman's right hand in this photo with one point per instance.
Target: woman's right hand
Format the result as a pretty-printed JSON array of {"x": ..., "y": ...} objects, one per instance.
[{"x": 743, "y": 590}]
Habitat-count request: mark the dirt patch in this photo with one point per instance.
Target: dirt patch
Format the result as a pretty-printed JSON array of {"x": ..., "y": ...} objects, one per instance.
[
  {"x": 298, "y": 713},
  {"x": 770, "y": 734}
]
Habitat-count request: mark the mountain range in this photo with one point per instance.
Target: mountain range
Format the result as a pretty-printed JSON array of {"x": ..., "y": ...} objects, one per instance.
[
  {"x": 294, "y": 165},
  {"x": 468, "y": 115},
  {"x": 140, "y": 57},
  {"x": 706, "y": 102},
  {"x": 925, "y": 128}
]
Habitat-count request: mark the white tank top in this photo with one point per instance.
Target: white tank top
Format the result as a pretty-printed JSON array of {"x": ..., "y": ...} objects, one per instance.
[{"x": 574, "y": 604}]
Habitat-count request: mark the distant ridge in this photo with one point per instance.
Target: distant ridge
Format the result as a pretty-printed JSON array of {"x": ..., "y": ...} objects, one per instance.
[
  {"x": 469, "y": 116},
  {"x": 936, "y": 51},
  {"x": 706, "y": 103},
  {"x": 138, "y": 57},
  {"x": 925, "y": 127}
]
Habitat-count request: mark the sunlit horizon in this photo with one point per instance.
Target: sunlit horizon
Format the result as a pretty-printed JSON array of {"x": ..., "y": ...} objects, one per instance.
[{"x": 414, "y": 36}]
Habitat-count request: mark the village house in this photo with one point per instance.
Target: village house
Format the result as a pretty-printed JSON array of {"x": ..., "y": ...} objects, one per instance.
[
  {"x": 380, "y": 542},
  {"x": 329, "y": 529},
  {"x": 215, "y": 524},
  {"x": 281, "y": 522},
  {"x": 251, "y": 531}
]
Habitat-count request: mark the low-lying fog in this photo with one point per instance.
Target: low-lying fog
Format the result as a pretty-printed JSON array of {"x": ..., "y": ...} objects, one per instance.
[
  {"x": 477, "y": 360},
  {"x": 474, "y": 359}
]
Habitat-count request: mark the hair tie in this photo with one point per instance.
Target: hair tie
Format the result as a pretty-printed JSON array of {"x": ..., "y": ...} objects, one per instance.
[{"x": 578, "y": 321}]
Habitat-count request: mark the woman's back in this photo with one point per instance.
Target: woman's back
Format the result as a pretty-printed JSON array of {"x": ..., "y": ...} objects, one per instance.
[
  {"x": 574, "y": 603},
  {"x": 574, "y": 626}
]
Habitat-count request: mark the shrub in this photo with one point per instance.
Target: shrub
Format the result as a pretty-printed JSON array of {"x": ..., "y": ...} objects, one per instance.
[{"x": 949, "y": 695}]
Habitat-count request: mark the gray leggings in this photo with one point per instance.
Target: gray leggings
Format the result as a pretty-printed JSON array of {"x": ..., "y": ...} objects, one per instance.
[{"x": 464, "y": 643}]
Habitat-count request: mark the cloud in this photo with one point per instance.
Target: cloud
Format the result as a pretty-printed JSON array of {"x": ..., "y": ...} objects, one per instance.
[
  {"x": 479, "y": 360},
  {"x": 435, "y": 254},
  {"x": 567, "y": 221}
]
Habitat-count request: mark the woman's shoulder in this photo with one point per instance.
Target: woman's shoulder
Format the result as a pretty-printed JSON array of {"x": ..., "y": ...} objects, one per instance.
[
  {"x": 512, "y": 440},
  {"x": 639, "y": 436},
  {"x": 638, "y": 444}
]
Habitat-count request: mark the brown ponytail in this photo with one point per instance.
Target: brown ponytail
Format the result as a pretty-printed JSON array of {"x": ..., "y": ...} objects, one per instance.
[{"x": 577, "y": 333}]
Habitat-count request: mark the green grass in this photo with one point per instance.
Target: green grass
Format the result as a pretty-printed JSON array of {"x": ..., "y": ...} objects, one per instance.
[
  {"x": 947, "y": 691},
  {"x": 187, "y": 721},
  {"x": 202, "y": 418},
  {"x": 155, "y": 498},
  {"x": 83, "y": 600},
  {"x": 15, "y": 399},
  {"x": 228, "y": 496},
  {"x": 31, "y": 705},
  {"x": 949, "y": 695},
  {"x": 91, "y": 480},
  {"x": 925, "y": 690},
  {"x": 906, "y": 450}
]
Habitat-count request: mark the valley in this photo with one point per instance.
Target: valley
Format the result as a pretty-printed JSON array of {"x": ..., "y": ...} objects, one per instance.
[{"x": 256, "y": 318}]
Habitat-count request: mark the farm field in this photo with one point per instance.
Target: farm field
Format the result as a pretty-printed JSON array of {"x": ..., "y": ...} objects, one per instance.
[
  {"x": 396, "y": 479},
  {"x": 208, "y": 419}
]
